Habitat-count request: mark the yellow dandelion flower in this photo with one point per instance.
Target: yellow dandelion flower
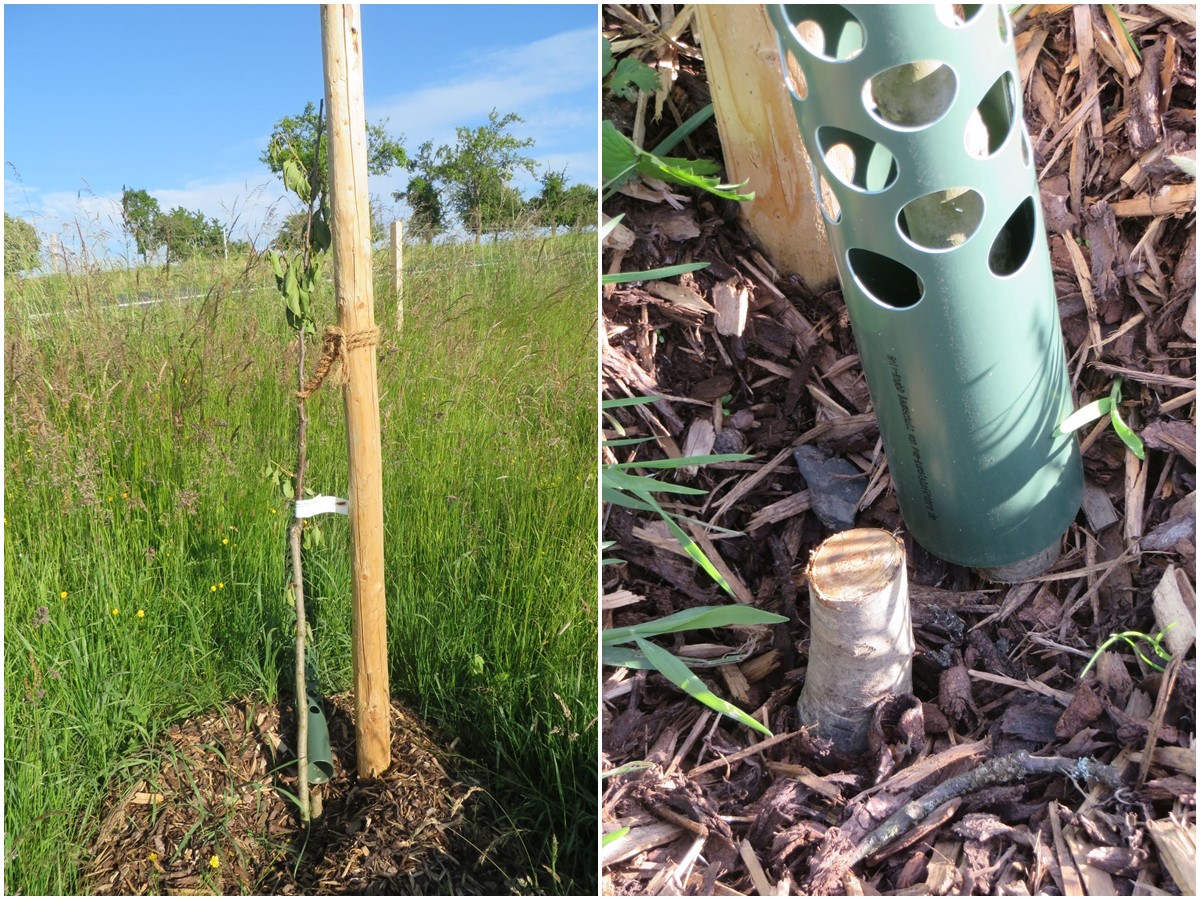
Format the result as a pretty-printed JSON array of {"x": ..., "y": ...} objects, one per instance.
[
  {"x": 215, "y": 862},
  {"x": 225, "y": 540},
  {"x": 221, "y": 585},
  {"x": 141, "y": 614},
  {"x": 62, "y": 595},
  {"x": 115, "y": 611},
  {"x": 125, "y": 495},
  {"x": 153, "y": 857},
  {"x": 212, "y": 587},
  {"x": 110, "y": 498}
]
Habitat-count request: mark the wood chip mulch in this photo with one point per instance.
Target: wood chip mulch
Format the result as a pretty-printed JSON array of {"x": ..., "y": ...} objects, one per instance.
[
  {"x": 1042, "y": 782},
  {"x": 210, "y": 810}
]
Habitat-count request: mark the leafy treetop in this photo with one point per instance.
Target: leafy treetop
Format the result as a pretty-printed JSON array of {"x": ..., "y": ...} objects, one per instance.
[
  {"x": 22, "y": 247},
  {"x": 298, "y": 134}
]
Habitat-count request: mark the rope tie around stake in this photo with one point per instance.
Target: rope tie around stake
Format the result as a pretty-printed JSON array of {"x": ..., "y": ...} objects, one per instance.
[{"x": 335, "y": 344}]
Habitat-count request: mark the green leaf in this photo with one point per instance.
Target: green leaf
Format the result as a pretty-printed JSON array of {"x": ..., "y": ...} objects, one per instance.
[
  {"x": 685, "y": 461},
  {"x": 610, "y": 495},
  {"x": 682, "y": 677},
  {"x": 607, "y": 228},
  {"x": 620, "y": 155},
  {"x": 691, "y": 547},
  {"x": 291, "y": 292},
  {"x": 276, "y": 263},
  {"x": 1132, "y": 441},
  {"x": 640, "y": 484},
  {"x": 651, "y": 274},
  {"x": 635, "y": 766},
  {"x": 1083, "y": 416},
  {"x": 667, "y": 144},
  {"x": 1125, "y": 31},
  {"x": 321, "y": 237},
  {"x": 689, "y": 619},
  {"x": 1186, "y": 164},
  {"x": 627, "y": 401},
  {"x": 611, "y": 836},
  {"x": 607, "y": 62},
  {"x": 625, "y": 442},
  {"x": 294, "y": 180},
  {"x": 632, "y": 73}
]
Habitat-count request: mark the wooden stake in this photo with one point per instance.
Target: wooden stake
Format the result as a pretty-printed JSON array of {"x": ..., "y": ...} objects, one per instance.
[
  {"x": 341, "y": 38},
  {"x": 761, "y": 140},
  {"x": 398, "y": 272}
]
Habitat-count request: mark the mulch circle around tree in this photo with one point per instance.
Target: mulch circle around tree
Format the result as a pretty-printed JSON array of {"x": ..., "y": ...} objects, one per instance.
[
  {"x": 205, "y": 812},
  {"x": 713, "y": 808}
]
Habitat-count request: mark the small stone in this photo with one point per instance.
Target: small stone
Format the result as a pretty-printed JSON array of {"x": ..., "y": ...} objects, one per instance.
[
  {"x": 835, "y": 486},
  {"x": 729, "y": 440}
]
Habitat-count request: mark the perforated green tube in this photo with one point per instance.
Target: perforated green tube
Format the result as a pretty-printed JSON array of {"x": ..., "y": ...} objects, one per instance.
[{"x": 912, "y": 118}]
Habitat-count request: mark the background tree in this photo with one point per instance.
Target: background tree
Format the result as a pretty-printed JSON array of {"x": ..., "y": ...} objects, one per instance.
[
  {"x": 547, "y": 205},
  {"x": 427, "y": 214},
  {"x": 140, "y": 213},
  {"x": 22, "y": 247},
  {"x": 189, "y": 234},
  {"x": 479, "y": 167},
  {"x": 297, "y": 135},
  {"x": 579, "y": 207},
  {"x": 291, "y": 234}
]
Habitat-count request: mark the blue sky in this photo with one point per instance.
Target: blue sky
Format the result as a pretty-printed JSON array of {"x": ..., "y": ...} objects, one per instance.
[{"x": 180, "y": 100}]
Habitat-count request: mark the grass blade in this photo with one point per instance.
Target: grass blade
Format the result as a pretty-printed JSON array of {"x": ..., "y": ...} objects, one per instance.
[
  {"x": 687, "y": 681},
  {"x": 697, "y": 617},
  {"x": 651, "y": 274},
  {"x": 685, "y": 461}
]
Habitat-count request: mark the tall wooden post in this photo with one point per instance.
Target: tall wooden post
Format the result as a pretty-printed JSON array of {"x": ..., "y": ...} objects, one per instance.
[
  {"x": 341, "y": 39},
  {"x": 761, "y": 140},
  {"x": 398, "y": 272}
]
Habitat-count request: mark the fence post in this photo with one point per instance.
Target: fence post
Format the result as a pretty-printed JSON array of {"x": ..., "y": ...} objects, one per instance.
[
  {"x": 761, "y": 141},
  {"x": 398, "y": 272},
  {"x": 341, "y": 38}
]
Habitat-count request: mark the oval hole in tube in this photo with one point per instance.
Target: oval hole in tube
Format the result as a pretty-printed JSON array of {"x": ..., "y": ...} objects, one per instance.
[
  {"x": 993, "y": 119},
  {"x": 829, "y": 201},
  {"x": 793, "y": 76},
  {"x": 942, "y": 220},
  {"x": 886, "y": 281},
  {"x": 830, "y": 32},
  {"x": 956, "y": 15},
  {"x": 856, "y": 161},
  {"x": 911, "y": 95},
  {"x": 1014, "y": 241}
]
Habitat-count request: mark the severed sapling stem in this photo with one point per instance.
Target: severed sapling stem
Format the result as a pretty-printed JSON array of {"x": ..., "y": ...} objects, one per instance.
[{"x": 297, "y": 527}]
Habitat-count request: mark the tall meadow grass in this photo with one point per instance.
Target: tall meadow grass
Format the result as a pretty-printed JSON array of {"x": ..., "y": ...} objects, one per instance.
[{"x": 144, "y": 536}]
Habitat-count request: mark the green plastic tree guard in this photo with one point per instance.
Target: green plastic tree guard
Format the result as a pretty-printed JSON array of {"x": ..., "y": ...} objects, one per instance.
[
  {"x": 320, "y": 753},
  {"x": 912, "y": 117}
]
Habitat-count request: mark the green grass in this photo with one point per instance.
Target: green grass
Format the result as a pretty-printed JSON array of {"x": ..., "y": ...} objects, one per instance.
[{"x": 135, "y": 447}]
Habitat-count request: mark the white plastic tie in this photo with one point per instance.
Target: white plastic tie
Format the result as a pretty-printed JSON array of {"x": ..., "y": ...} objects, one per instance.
[{"x": 314, "y": 506}]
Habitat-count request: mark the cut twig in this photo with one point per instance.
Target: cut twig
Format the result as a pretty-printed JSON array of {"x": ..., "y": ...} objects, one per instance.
[{"x": 1010, "y": 769}]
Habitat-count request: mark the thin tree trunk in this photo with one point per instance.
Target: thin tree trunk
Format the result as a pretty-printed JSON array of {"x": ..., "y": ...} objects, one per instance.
[{"x": 298, "y": 591}]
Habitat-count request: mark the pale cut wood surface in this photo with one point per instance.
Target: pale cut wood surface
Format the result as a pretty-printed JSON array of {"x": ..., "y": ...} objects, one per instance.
[
  {"x": 341, "y": 35},
  {"x": 761, "y": 140}
]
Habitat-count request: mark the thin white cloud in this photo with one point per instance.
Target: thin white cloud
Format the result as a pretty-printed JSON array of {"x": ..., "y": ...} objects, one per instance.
[
  {"x": 536, "y": 80},
  {"x": 530, "y": 79}
]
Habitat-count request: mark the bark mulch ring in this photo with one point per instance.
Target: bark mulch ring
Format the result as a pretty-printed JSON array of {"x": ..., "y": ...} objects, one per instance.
[
  {"x": 211, "y": 811},
  {"x": 1011, "y": 773}
]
